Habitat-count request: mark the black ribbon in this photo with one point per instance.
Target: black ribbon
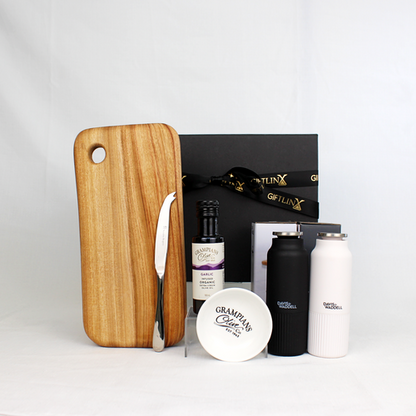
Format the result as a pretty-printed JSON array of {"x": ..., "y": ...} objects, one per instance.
[{"x": 264, "y": 188}]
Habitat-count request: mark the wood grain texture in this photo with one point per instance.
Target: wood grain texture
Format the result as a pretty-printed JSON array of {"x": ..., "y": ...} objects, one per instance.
[{"x": 119, "y": 202}]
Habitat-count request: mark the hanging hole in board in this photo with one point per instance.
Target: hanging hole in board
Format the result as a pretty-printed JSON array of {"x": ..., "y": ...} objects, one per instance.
[{"x": 98, "y": 155}]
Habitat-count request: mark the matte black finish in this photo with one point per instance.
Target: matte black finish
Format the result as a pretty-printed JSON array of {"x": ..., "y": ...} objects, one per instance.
[
  {"x": 288, "y": 295},
  {"x": 214, "y": 155}
]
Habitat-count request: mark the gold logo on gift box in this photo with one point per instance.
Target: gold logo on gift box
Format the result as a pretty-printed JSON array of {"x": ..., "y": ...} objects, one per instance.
[
  {"x": 294, "y": 202},
  {"x": 278, "y": 180},
  {"x": 239, "y": 186},
  {"x": 314, "y": 178},
  {"x": 297, "y": 206},
  {"x": 282, "y": 181}
]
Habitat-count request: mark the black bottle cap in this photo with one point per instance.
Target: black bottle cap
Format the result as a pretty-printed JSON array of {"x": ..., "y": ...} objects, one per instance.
[{"x": 207, "y": 209}]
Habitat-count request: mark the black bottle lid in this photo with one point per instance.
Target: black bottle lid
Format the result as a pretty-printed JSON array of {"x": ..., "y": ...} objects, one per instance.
[{"x": 207, "y": 209}]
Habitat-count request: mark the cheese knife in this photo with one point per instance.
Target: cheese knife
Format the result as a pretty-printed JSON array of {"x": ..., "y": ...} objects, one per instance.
[{"x": 161, "y": 251}]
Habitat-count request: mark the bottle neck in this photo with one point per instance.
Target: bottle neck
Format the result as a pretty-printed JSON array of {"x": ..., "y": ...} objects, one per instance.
[
  {"x": 208, "y": 226},
  {"x": 331, "y": 242},
  {"x": 287, "y": 242}
]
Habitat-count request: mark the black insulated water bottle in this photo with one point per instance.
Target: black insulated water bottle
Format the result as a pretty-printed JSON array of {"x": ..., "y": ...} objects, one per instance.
[{"x": 288, "y": 294}]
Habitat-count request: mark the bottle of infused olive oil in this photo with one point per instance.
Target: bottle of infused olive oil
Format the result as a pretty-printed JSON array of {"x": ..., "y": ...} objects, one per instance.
[{"x": 207, "y": 254}]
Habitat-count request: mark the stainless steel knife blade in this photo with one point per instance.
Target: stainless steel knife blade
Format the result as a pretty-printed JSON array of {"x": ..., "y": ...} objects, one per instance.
[{"x": 161, "y": 252}]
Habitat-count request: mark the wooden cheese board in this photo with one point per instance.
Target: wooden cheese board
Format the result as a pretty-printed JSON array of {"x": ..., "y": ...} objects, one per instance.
[{"x": 119, "y": 201}]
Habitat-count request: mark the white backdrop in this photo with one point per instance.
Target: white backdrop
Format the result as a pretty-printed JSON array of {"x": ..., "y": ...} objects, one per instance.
[{"x": 345, "y": 70}]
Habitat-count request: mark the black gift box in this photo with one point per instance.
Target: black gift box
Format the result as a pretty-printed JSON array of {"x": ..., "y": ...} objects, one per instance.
[{"x": 214, "y": 156}]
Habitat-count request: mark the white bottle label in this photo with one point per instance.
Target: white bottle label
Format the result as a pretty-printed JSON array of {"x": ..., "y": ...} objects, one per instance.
[{"x": 207, "y": 269}]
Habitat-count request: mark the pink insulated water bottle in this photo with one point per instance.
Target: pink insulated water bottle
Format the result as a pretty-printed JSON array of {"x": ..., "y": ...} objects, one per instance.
[{"x": 330, "y": 296}]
